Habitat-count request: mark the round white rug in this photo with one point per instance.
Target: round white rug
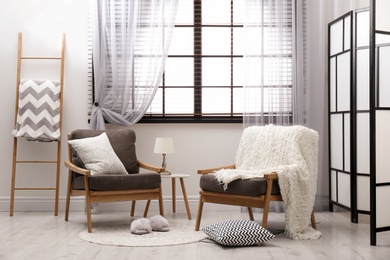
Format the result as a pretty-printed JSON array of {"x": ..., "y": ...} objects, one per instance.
[{"x": 119, "y": 235}]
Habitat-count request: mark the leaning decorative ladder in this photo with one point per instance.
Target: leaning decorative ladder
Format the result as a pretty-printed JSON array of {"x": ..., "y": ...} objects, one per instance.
[{"x": 15, "y": 159}]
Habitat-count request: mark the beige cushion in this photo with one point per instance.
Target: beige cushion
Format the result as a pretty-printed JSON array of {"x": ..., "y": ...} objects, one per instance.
[
  {"x": 122, "y": 141},
  {"x": 97, "y": 155}
]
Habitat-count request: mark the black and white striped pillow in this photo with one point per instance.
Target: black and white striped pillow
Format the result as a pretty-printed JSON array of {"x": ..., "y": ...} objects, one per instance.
[{"x": 238, "y": 232}]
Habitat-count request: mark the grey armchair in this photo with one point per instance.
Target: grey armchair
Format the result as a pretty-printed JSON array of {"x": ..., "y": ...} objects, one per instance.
[
  {"x": 273, "y": 163},
  {"x": 112, "y": 187}
]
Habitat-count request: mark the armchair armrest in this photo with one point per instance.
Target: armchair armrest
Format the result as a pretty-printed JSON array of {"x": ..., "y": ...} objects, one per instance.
[
  {"x": 74, "y": 168},
  {"x": 149, "y": 167},
  {"x": 271, "y": 175},
  {"x": 209, "y": 170}
]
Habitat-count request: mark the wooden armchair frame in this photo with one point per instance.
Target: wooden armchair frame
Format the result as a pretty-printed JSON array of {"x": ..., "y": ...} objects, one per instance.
[
  {"x": 250, "y": 202},
  {"x": 109, "y": 196}
]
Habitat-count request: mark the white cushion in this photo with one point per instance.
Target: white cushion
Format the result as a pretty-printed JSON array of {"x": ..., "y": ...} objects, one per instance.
[
  {"x": 238, "y": 233},
  {"x": 97, "y": 155}
]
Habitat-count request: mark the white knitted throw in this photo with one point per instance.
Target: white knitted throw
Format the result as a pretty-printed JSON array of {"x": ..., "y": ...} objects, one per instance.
[{"x": 291, "y": 152}]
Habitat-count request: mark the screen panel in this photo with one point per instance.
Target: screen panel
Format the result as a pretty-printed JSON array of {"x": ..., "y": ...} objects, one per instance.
[
  {"x": 382, "y": 15},
  {"x": 382, "y": 206},
  {"x": 347, "y": 32},
  {"x": 343, "y": 81},
  {"x": 333, "y": 184},
  {"x": 336, "y": 141},
  {"x": 384, "y": 76},
  {"x": 347, "y": 142},
  {"x": 363, "y": 195},
  {"x": 332, "y": 79},
  {"x": 363, "y": 142},
  {"x": 382, "y": 38},
  {"x": 362, "y": 79},
  {"x": 363, "y": 29},
  {"x": 382, "y": 146},
  {"x": 344, "y": 189},
  {"x": 336, "y": 40}
]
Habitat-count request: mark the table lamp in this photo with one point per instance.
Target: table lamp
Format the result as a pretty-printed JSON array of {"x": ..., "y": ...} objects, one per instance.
[{"x": 164, "y": 145}]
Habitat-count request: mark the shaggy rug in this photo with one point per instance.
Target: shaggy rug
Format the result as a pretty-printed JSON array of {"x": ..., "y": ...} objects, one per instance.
[{"x": 119, "y": 235}]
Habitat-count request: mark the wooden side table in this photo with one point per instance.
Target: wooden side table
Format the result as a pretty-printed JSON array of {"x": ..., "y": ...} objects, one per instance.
[{"x": 181, "y": 177}]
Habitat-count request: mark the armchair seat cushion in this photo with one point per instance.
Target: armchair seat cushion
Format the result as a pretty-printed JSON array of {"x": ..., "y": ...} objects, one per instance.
[
  {"x": 251, "y": 187},
  {"x": 119, "y": 182}
]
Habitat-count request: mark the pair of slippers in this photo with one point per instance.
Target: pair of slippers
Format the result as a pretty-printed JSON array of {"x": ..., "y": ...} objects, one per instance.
[{"x": 143, "y": 226}]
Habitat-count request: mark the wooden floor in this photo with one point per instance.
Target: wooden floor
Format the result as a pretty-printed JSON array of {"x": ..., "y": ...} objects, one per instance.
[{"x": 40, "y": 235}]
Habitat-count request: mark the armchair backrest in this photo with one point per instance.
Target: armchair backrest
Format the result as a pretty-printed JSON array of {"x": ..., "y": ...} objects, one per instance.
[{"x": 122, "y": 141}]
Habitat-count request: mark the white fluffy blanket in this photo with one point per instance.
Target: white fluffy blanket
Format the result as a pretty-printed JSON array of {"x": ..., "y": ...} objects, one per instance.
[{"x": 291, "y": 152}]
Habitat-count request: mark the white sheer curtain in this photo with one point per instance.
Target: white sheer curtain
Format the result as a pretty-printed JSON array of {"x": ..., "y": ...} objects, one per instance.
[
  {"x": 275, "y": 58},
  {"x": 130, "y": 42}
]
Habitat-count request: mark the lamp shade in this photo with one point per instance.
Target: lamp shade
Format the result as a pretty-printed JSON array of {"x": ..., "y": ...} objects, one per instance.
[{"x": 164, "y": 145}]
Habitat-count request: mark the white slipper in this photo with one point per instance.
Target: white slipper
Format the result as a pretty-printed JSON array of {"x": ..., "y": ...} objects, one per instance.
[
  {"x": 159, "y": 223},
  {"x": 140, "y": 226}
]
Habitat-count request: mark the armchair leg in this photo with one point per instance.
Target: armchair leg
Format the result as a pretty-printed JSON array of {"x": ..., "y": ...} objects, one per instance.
[
  {"x": 132, "y": 208},
  {"x": 265, "y": 217},
  {"x": 161, "y": 203},
  {"x": 68, "y": 196},
  {"x": 88, "y": 205},
  {"x": 266, "y": 202},
  {"x": 89, "y": 218},
  {"x": 313, "y": 220},
  {"x": 250, "y": 211},
  {"x": 146, "y": 208},
  {"x": 199, "y": 215}
]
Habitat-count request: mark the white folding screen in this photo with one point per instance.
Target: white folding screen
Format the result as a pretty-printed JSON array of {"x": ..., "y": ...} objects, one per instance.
[{"x": 359, "y": 114}]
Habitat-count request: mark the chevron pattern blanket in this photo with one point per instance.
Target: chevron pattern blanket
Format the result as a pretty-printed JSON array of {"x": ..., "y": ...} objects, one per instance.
[
  {"x": 38, "y": 117},
  {"x": 291, "y": 152}
]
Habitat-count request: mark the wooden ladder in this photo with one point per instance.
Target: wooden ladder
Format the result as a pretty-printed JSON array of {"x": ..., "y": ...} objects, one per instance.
[{"x": 15, "y": 161}]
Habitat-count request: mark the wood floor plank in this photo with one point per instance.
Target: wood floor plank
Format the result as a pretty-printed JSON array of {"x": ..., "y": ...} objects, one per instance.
[{"x": 181, "y": 252}]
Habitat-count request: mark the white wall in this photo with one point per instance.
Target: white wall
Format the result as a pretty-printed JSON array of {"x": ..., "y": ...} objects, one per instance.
[
  {"x": 196, "y": 145},
  {"x": 41, "y": 22}
]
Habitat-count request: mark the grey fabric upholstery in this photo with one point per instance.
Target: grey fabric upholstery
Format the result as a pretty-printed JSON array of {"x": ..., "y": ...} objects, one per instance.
[
  {"x": 252, "y": 187},
  {"x": 119, "y": 182},
  {"x": 123, "y": 143}
]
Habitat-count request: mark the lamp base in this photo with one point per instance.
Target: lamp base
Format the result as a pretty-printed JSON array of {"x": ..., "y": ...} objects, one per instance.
[{"x": 164, "y": 167}]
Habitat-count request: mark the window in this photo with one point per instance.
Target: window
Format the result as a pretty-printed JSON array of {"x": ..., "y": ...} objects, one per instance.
[
  {"x": 203, "y": 79},
  {"x": 204, "y": 76}
]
